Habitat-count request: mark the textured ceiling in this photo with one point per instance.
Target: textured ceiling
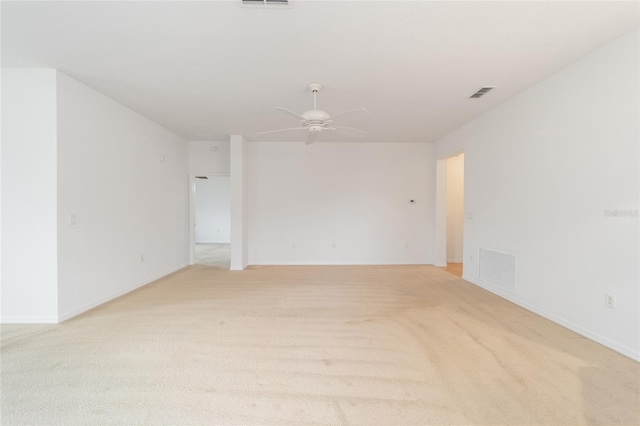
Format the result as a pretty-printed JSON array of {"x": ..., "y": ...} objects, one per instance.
[{"x": 210, "y": 69}]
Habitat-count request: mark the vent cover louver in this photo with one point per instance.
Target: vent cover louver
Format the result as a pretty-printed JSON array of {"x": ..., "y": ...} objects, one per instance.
[
  {"x": 497, "y": 268},
  {"x": 265, "y": 2},
  {"x": 481, "y": 92}
]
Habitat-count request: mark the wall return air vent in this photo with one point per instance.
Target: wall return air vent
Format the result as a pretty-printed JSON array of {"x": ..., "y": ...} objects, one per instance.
[
  {"x": 497, "y": 268},
  {"x": 482, "y": 92},
  {"x": 265, "y": 2}
]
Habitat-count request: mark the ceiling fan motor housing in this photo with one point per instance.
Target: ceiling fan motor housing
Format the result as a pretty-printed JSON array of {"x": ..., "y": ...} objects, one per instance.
[
  {"x": 316, "y": 119},
  {"x": 316, "y": 115}
]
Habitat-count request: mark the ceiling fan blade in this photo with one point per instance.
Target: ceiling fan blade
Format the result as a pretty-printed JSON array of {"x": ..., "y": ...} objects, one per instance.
[
  {"x": 289, "y": 112},
  {"x": 349, "y": 111},
  {"x": 349, "y": 131},
  {"x": 311, "y": 138},
  {"x": 281, "y": 130}
]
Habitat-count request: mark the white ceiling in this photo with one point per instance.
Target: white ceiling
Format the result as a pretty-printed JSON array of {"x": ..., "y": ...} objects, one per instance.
[{"x": 210, "y": 69}]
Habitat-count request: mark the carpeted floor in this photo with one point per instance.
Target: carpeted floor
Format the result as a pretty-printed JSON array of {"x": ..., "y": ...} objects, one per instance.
[{"x": 386, "y": 345}]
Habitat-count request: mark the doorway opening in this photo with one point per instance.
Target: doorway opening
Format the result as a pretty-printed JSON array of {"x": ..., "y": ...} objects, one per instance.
[
  {"x": 211, "y": 221},
  {"x": 450, "y": 217},
  {"x": 455, "y": 214}
]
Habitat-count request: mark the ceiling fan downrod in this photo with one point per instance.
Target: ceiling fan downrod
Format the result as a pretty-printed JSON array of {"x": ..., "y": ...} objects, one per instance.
[{"x": 315, "y": 88}]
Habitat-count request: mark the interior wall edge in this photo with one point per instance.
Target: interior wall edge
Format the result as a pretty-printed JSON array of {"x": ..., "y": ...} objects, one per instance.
[
  {"x": 115, "y": 295},
  {"x": 28, "y": 319},
  {"x": 584, "y": 332},
  {"x": 335, "y": 263}
]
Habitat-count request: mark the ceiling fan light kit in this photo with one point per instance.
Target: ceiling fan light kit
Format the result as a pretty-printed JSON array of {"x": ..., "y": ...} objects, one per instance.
[{"x": 316, "y": 121}]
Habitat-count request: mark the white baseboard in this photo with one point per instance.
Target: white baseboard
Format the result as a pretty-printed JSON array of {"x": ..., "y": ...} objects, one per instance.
[
  {"x": 213, "y": 242},
  {"x": 116, "y": 294},
  {"x": 28, "y": 320},
  {"x": 558, "y": 320},
  {"x": 334, "y": 263}
]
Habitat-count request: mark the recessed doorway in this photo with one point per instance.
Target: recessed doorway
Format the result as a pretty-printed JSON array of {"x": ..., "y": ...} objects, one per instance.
[
  {"x": 211, "y": 221},
  {"x": 450, "y": 214},
  {"x": 455, "y": 214}
]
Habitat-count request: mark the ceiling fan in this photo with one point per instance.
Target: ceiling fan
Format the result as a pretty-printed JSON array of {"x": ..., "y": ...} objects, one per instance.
[{"x": 317, "y": 121}]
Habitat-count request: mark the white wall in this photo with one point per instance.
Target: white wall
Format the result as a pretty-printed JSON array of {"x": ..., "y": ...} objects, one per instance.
[
  {"x": 213, "y": 210},
  {"x": 209, "y": 157},
  {"x": 353, "y": 195},
  {"x": 126, "y": 180},
  {"x": 29, "y": 253},
  {"x": 541, "y": 169},
  {"x": 455, "y": 207},
  {"x": 239, "y": 203}
]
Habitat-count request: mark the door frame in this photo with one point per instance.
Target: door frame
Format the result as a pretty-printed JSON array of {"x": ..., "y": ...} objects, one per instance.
[
  {"x": 440, "y": 258},
  {"x": 192, "y": 210}
]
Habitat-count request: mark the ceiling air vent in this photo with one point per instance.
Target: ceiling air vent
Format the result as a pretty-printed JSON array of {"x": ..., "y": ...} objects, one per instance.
[
  {"x": 482, "y": 92},
  {"x": 265, "y": 2}
]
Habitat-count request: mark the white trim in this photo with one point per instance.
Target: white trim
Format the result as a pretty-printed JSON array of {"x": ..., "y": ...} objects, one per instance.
[
  {"x": 209, "y": 174},
  {"x": 192, "y": 219},
  {"x": 28, "y": 320},
  {"x": 192, "y": 211},
  {"x": 440, "y": 241},
  {"x": 558, "y": 320},
  {"x": 115, "y": 295},
  {"x": 213, "y": 242},
  {"x": 440, "y": 231},
  {"x": 334, "y": 263}
]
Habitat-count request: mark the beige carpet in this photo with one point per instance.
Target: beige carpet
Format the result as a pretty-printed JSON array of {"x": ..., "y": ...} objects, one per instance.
[{"x": 386, "y": 345}]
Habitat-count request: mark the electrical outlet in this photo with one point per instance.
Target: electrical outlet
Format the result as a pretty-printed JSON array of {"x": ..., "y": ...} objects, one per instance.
[
  {"x": 609, "y": 300},
  {"x": 141, "y": 258},
  {"x": 72, "y": 219}
]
